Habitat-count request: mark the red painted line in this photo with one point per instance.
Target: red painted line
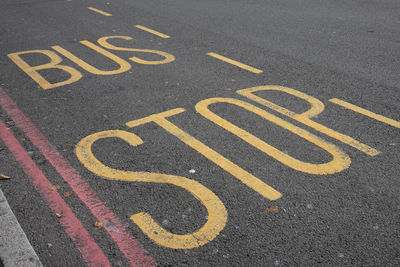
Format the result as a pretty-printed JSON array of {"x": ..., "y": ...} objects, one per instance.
[
  {"x": 129, "y": 246},
  {"x": 89, "y": 250}
]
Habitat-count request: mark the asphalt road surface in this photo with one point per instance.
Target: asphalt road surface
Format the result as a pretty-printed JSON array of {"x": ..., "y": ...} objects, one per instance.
[{"x": 205, "y": 133}]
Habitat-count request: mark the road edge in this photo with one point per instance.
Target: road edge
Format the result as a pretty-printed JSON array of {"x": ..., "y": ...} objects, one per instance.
[{"x": 15, "y": 249}]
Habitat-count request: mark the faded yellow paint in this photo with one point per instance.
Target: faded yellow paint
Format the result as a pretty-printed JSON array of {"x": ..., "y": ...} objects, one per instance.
[
  {"x": 242, "y": 175},
  {"x": 316, "y": 108},
  {"x": 123, "y": 65},
  {"x": 340, "y": 159},
  {"x": 54, "y": 63},
  {"x": 366, "y": 112},
  {"x": 100, "y": 11},
  {"x": 167, "y": 57},
  {"x": 217, "y": 214},
  {"x": 159, "y": 34},
  {"x": 236, "y": 63}
]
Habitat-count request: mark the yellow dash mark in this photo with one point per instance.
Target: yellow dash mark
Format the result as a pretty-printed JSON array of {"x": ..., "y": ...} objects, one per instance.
[
  {"x": 99, "y": 11},
  {"x": 365, "y": 112},
  {"x": 152, "y": 31},
  {"x": 236, "y": 63}
]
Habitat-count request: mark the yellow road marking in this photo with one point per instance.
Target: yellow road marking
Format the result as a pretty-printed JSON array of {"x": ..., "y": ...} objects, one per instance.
[
  {"x": 365, "y": 112},
  {"x": 152, "y": 31},
  {"x": 103, "y": 41},
  {"x": 340, "y": 161},
  {"x": 248, "y": 179},
  {"x": 123, "y": 65},
  {"x": 99, "y": 11},
  {"x": 54, "y": 63},
  {"x": 316, "y": 108},
  {"x": 236, "y": 63},
  {"x": 217, "y": 214}
]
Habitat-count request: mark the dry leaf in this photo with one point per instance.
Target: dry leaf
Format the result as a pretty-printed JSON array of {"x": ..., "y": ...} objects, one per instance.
[
  {"x": 4, "y": 177},
  {"x": 10, "y": 122},
  {"x": 98, "y": 225},
  {"x": 58, "y": 215},
  {"x": 54, "y": 187},
  {"x": 273, "y": 209},
  {"x": 68, "y": 194},
  {"x": 68, "y": 144},
  {"x": 49, "y": 245},
  {"x": 229, "y": 89}
]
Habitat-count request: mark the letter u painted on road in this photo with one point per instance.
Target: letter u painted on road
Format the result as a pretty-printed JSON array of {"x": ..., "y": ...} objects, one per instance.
[
  {"x": 123, "y": 64},
  {"x": 340, "y": 159}
]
